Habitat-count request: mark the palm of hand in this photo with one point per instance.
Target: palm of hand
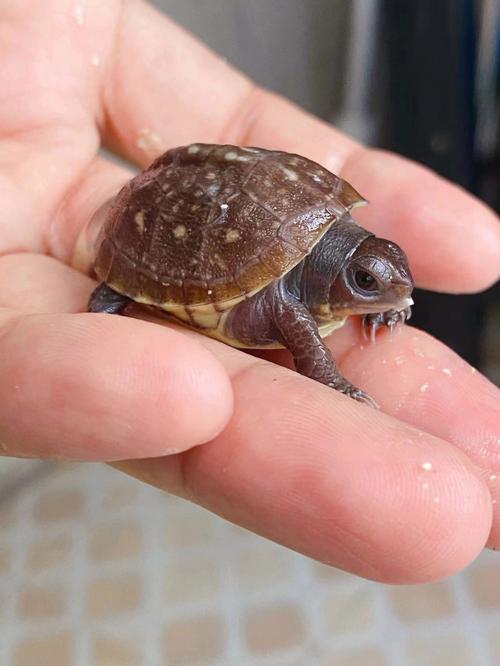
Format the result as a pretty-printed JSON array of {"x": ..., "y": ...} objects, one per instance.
[{"x": 405, "y": 495}]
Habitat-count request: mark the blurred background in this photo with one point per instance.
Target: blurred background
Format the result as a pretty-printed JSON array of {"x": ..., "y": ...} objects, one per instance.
[{"x": 98, "y": 569}]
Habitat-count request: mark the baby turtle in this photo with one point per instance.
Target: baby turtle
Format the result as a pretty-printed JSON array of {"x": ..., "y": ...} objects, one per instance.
[{"x": 254, "y": 247}]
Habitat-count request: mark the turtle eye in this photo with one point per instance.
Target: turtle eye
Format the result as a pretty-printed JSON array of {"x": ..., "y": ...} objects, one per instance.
[{"x": 364, "y": 281}]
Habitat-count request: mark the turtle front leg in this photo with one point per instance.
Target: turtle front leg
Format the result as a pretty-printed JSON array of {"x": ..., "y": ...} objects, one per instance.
[
  {"x": 391, "y": 318},
  {"x": 105, "y": 299},
  {"x": 299, "y": 333}
]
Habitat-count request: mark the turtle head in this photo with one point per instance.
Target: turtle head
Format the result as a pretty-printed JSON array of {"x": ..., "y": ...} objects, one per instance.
[{"x": 375, "y": 278}]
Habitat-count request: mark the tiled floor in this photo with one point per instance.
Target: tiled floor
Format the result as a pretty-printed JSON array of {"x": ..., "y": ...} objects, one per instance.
[{"x": 97, "y": 569}]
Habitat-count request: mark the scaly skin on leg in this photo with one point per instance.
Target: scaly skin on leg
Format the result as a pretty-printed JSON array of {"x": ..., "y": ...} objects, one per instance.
[
  {"x": 299, "y": 334},
  {"x": 105, "y": 299}
]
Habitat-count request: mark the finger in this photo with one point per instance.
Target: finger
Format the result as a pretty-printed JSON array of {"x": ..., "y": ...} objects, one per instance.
[
  {"x": 97, "y": 387},
  {"x": 36, "y": 283},
  {"x": 475, "y": 427},
  {"x": 422, "y": 382},
  {"x": 76, "y": 224},
  {"x": 453, "y": 241},
  {"x": 337, "y": 481},
  {"x": 324, "y": 475}
]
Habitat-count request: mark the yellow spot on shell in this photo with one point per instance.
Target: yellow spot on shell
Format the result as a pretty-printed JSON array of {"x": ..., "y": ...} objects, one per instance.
[
  {"x": 290, "y": 174},
  {"x": 219, "y": 261},
  {"x": 232, "y": 235},
  {"x": 139, "y": 221},
  {"x": 179, "y": 231}
]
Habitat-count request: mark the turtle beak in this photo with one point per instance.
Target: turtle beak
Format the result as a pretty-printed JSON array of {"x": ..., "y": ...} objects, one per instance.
[
  {"x": 404, "y": 304},
  {"x": 402, "y": 295}
]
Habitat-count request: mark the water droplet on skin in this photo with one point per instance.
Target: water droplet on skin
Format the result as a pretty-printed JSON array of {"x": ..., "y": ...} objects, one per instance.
[
  {"x": 447, "y": 371},
  {"x": 150, "y": 142},
  {"x": 424, "y": 388},
  {"x": 78, "y": 14},
  {"x": 431, "y": 367},
  {"x": 493, "y": 477},
  {"x": 419, "y": 352},
  {"x": 473, "y": 370},
  {"x": 427, "y": 466}
]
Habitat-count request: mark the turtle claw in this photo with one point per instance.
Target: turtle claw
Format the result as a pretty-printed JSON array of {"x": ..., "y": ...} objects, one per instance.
[
  {"x": 372, "y": 322},
  {"x": 355, "y": 393},
  {"x": 360, "y": 396}
]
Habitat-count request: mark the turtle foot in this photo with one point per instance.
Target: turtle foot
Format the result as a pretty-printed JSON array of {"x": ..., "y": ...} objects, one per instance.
[
  {"x": 105, "y": 299},
  {"x": 371, "y": 323}
]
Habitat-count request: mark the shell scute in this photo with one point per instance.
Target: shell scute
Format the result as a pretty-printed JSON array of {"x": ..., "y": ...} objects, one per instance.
[{"x": 210, "y": 224}]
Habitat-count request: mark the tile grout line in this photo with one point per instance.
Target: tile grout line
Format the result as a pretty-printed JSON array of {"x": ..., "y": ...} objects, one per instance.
[
  {"x": 19, "y": 542},
  {"x": 232, "y": 608},
  {"x": 154, "y": 554},
  {"x": 90, "y": 477},
  {"x": 469, "y": 615}
]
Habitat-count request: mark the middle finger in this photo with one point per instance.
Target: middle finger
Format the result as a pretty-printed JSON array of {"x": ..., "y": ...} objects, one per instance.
[{"x": 305, "y": 472}]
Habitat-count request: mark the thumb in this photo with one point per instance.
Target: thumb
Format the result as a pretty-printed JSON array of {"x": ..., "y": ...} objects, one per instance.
[{"x": 99, "y": 387}]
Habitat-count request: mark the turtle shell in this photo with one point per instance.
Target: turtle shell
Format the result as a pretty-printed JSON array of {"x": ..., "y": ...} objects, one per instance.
[{"x": 212, "y": 224}]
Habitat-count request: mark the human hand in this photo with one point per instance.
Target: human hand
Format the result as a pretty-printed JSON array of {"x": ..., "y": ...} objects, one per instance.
[{"x": 402, "y": 496}]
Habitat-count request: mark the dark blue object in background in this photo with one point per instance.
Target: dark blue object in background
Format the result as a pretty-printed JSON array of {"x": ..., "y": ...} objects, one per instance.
[{"x": 428, "y": 53}]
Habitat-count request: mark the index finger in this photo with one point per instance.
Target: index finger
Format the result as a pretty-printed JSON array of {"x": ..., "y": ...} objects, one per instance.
[{"x": 453, "y": 240}]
